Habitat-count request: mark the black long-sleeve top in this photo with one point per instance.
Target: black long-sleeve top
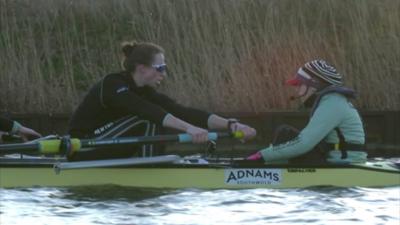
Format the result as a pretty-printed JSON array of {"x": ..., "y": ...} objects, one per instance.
[
  {"x": 6, "y": 124},
  {"x": 117, "y": 95}
]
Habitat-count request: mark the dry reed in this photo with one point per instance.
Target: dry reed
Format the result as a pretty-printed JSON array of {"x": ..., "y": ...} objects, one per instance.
[{"x": 226, "y": 56}]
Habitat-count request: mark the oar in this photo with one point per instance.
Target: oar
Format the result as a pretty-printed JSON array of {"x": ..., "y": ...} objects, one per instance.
[{"x": 66, "y": 145}]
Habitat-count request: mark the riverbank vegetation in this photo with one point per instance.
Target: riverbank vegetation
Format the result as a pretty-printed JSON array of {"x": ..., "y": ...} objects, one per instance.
[{"x": 226, "y": 56}]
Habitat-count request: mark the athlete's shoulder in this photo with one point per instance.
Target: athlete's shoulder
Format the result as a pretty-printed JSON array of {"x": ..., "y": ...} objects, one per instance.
[
  {"x": 115, "y": 77},
  {"x": 334, "y": 97},
  {"x": 334, "y": 102}
]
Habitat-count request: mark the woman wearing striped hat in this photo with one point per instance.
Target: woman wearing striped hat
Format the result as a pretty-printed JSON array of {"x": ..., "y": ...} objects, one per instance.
[{"x": 335, "y": 130}]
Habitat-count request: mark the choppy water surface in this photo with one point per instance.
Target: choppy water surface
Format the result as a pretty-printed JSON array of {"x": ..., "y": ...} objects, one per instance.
[{"x": 119, "y": 205}]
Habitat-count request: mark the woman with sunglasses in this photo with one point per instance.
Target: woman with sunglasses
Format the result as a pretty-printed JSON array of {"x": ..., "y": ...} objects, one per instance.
[
  {"x": 335, "y": 130},
  {"x": 127, "y": 104}
]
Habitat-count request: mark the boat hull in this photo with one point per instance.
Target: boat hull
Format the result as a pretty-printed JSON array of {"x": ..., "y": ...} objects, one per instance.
[{"x": 203, "y": 176}]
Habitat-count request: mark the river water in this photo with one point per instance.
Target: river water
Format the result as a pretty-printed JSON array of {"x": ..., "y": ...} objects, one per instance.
[{"x": 121, "y": 205}]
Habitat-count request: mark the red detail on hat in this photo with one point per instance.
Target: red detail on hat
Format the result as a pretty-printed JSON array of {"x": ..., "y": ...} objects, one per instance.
[{"x": 294, "y": 82}]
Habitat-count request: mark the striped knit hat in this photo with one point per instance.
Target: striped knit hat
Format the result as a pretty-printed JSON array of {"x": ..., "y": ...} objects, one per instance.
[{"x": 316, "y": 68}]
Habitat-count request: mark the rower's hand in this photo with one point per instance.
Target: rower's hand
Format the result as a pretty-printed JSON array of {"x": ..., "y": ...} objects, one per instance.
[
  {"x": 199, "y": 135},
  {"x": 255, "y": 157},
  {"x": 248, "y": 132},
  {"x": 25, "y": 133}
]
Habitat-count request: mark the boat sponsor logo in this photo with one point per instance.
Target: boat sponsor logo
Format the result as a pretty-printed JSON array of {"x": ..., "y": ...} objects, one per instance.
[
  {"x": 253, "y": 176},
  {"x": 301, "y": 170}
]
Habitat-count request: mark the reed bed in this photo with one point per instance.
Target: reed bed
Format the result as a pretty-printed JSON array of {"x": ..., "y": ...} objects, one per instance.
[{"x": 226, "y": 55}]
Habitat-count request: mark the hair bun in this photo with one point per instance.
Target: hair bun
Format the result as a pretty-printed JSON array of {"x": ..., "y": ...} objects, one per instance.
[{"x": 127, "y": 48}]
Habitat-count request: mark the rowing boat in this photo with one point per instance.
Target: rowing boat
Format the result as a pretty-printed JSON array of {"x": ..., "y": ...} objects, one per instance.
[{"x": 172, "y": 171}]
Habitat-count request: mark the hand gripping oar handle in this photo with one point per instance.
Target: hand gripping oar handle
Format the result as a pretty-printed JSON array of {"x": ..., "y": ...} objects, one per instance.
[{"x": 57, "y": 146}]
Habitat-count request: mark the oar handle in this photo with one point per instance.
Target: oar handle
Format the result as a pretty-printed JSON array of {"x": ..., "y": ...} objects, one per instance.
[{"x": 186, "y": 138}]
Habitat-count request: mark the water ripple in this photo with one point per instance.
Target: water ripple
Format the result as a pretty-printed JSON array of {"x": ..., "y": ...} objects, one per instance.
[{"x": 120, "y": 205}]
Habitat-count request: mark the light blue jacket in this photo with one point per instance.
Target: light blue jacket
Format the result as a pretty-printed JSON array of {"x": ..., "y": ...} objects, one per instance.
[{"x": 334, "y": 110}]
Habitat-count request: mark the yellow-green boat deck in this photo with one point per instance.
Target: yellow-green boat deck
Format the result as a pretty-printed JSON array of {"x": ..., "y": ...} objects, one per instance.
[{"x": 237, "y": 175}]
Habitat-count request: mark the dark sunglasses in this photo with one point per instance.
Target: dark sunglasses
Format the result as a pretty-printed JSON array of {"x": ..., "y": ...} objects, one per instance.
[{"x": 160, "y": 68}]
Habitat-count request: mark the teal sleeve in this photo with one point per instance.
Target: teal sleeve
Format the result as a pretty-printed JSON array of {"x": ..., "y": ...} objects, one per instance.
[
  {"x": 326, "y": 117},
  {"x": 16, "y": 127}
]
